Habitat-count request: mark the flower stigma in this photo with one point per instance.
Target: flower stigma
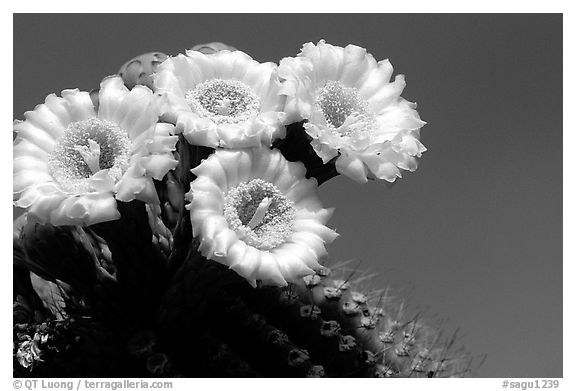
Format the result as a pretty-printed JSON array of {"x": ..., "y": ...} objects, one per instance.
[
  {"x": 85, "y": 148},
  {"x": 223, "y": 101},
  {"x": 259, "y": 213},
  {"x": 258, "y": 217},
  {"x": 90, "y": 154},
  {"x": 345, "y": 112}
]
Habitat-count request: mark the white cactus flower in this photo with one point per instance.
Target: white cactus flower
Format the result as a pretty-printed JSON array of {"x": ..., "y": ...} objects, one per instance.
[
  {"x": 256, "y": 212},
  {"x": 353, "y": 113},
  {"x": 225, "y": 99},
  {"x": 72, "y": 162}
]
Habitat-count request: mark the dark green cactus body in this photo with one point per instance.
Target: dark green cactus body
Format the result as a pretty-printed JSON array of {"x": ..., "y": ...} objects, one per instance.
[
  {"x": 392, "y": 345},
  {"x": 141, "y": 268},
  {"x": 320, "y": 322},
  {"x": 206, "y": 291}
]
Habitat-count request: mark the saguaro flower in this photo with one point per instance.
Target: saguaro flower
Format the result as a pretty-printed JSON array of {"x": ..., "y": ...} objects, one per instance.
[
  {"x": 256, "y": 212},
  {"x": 71, "y": 162},
  {"x": 353, "y": 112},
  {"x": 225, "y": 99}
]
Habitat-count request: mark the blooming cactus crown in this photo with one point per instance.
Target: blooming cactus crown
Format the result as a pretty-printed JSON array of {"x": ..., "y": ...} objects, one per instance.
[
  {"x": 212, "y": 183},
  {"x": 251, "y": 209}
]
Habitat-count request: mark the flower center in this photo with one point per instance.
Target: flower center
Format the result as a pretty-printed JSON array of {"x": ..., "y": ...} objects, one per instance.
[
  {"x": 259, "y": 213},
  {"x": 85, "y": 148},
  {"x": 223, "y": 101},
  {"x": 343, "y": 109}
]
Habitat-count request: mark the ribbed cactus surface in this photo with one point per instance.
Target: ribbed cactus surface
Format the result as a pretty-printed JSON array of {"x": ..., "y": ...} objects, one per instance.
[{"x": 326, "y": 324}]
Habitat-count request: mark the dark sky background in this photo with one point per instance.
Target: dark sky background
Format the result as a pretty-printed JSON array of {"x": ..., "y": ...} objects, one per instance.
[{"x": 474, "y": 236}]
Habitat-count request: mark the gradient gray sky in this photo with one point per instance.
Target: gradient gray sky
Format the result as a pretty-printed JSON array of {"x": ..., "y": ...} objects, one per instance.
[{"x": 475, "y": 234}]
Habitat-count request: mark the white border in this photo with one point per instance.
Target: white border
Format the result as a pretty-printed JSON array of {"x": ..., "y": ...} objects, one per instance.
[{"x": 298, "y": 6}]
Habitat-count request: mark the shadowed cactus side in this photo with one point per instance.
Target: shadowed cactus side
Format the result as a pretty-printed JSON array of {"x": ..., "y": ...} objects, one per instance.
[
  {"x": 135, "y": 298},
  {"x": 391, "y": 343},
  {"x": 333, "y": 328}
]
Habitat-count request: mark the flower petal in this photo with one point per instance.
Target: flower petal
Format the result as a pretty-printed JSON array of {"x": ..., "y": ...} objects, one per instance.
[
  {"x": 157, "y": 166},
  {"x": 352, "y": 167},
  {"x": 112, "y": 93},
  {"x": 43, "y": 118},
  {"x": 92, "y": 208},
  {"x": 34, "y": 135},
  {"x": 196, "y": 130},
  {"x": 102, "y": 182},
  {"x": 137, "y": 112},
  {"x": 80, "y": 106},
  {"x": 294, "y": 261},
  {"x": 141, "y": 188}
]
